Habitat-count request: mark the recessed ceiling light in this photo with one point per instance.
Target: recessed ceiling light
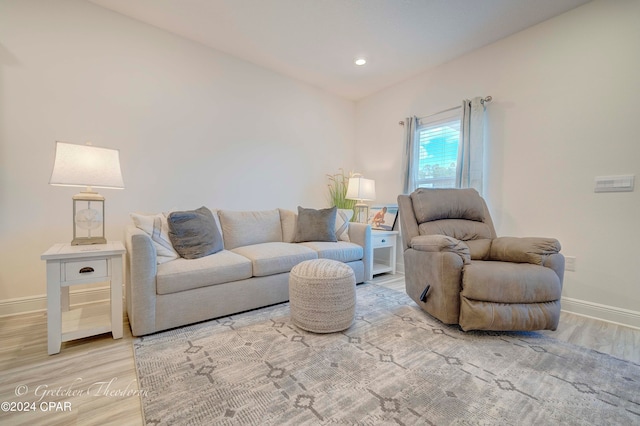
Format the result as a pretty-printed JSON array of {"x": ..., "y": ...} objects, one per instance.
[{"x": 360, "y": 61}]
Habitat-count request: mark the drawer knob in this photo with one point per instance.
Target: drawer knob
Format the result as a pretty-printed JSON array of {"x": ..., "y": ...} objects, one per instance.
[
  {"x": 383, "y": 241},
  {"x": 86, "y": 270}
]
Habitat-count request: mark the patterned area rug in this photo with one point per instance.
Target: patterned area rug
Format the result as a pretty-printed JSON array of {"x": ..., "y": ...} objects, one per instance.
[{"x": 395, "y": 365}]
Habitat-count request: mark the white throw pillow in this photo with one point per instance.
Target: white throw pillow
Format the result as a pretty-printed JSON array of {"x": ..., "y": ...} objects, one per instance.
[
  {"x": 343, "y": 217},
  {"x": 157, "y": 227}
]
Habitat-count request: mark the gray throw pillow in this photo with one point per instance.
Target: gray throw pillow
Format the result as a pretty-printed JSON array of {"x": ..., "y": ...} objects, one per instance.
[
  {"x": 316, "y": 225},
  {"x": 194, "y": 233}
]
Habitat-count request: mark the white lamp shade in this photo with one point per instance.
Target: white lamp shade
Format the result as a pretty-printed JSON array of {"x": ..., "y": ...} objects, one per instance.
[
  {"x": 86, "y": 165},
  {"x": 361, "y": 189}
]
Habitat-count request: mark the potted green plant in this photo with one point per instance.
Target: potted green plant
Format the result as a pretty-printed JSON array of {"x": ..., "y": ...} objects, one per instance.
[{"x": 338, "y": 184}]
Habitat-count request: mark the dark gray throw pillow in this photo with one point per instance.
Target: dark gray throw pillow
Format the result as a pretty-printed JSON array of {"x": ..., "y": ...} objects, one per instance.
[
  {"x": 316, "y": 225},
  {"x": 194, "y": 233}
]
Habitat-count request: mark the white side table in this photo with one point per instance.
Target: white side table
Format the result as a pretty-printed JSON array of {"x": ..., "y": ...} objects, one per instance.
[
  {"x": 69, "y": 265},
  {"x": 384, "y": 251}
]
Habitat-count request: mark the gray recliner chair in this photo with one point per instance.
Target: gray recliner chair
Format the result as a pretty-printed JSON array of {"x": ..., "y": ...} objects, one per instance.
[{"x": 457, "y": 270}]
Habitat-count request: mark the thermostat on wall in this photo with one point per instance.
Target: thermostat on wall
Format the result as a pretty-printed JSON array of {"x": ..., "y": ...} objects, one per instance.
[{"x": 622, "y": 183}]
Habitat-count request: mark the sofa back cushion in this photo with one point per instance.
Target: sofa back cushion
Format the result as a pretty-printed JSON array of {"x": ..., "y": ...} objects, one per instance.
[
  {"x": 241, "y": 229},
  {"x": 288, "y": 221}
]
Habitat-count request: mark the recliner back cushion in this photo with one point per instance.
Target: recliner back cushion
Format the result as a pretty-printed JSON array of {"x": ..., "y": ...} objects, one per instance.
[
  {"x": 435, "y": 204},
  {"x": 460, "y": 229},
  {"x": 477, "y": 235}
]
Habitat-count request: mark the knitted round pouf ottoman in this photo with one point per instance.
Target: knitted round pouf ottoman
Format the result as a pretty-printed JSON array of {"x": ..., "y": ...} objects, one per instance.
[{"x": 322, "y": 295}]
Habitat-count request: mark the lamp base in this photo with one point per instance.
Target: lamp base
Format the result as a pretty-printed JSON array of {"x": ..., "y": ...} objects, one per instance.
[
  {"x": 88, "y": 218},
  {"x": 82, "y": 241},
  {"x": 362, "y": 212}
]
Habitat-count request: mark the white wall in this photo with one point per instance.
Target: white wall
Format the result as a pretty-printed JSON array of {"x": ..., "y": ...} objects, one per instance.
[
  {"x": 565, "y": 110},
  {"x": 197, "y": 127},
  {"x": 194, "y": 127}
]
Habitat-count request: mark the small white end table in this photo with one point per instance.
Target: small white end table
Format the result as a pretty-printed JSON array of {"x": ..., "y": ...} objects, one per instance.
[
  {"x": 69, "y": 265},
  {"x": 384, "y": 245}
]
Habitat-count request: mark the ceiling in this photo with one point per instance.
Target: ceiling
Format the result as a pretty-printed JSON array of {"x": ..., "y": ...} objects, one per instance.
[{"x": 316, "y": 41}]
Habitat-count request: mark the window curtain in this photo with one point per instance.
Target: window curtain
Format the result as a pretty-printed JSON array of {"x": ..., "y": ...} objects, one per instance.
[
  {"x": 471, "y": 145},
  {"x": 410, "y": 175}
]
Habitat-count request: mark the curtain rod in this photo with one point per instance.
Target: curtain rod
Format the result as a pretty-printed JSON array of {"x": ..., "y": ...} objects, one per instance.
[{"x": 484, "y": 100}]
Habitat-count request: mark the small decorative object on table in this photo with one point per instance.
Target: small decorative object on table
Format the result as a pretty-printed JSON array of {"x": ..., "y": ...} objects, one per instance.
[{"x": 383, "y": 217}]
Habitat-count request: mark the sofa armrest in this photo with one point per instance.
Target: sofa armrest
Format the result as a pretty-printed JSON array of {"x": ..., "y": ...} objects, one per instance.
[
  {"x": 141, "y": 267},
  {"x": 524, "y": 250},
  {"x": 441, "y": 243},
  {"x": 360, "y": 233}
]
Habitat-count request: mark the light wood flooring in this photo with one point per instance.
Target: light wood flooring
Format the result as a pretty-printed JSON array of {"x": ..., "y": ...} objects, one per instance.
[{"x": 97, "y": 375}]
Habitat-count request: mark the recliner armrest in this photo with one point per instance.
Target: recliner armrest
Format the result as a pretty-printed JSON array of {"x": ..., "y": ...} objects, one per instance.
[
  {"x": 441, "y": 243},
  {"x": 523, "y": 250}
]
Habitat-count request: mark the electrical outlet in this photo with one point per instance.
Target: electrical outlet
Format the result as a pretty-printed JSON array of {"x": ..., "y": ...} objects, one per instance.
[{"x": 570, "y": 263}]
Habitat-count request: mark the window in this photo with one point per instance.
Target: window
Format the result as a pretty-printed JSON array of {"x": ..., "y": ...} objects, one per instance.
[{"x": 437, "y": 137}]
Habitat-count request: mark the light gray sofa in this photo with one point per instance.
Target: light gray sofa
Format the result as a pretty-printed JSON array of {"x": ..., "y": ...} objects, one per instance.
[{"x": 251, "y": 271}]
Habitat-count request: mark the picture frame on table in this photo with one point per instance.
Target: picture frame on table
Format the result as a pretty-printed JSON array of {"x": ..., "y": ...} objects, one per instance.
[{"x": 383, "y": 217}]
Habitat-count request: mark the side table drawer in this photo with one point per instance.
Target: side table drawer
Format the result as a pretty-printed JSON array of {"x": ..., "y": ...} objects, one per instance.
[
  {"x": 85, "y": 269},
  {"x": 382, "y": 240}
]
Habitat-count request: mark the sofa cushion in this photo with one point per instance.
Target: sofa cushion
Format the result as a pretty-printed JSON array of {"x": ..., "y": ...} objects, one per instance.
[
  {"x": 157, "y": 228},
  {"x": 275, "y": 258},
  {"x": 186, "y": 274},
  {"x": 341, "y": 251},
  {"x": 194, "y": 233},
  {"x": 505, "y": 282},
  {"x": 316, "y": 225},
  {"x": 252, "y": 227}
]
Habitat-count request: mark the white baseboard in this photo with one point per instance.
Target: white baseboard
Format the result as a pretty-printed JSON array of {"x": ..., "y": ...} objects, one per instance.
[
  {"x": 24, "y": 305},
  {"x": 625, "y": 317}
]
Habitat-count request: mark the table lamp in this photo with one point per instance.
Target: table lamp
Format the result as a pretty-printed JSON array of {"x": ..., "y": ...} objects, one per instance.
[
  {"x": 91, "y": 167},
  {"x": 361, "y": 189}
]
